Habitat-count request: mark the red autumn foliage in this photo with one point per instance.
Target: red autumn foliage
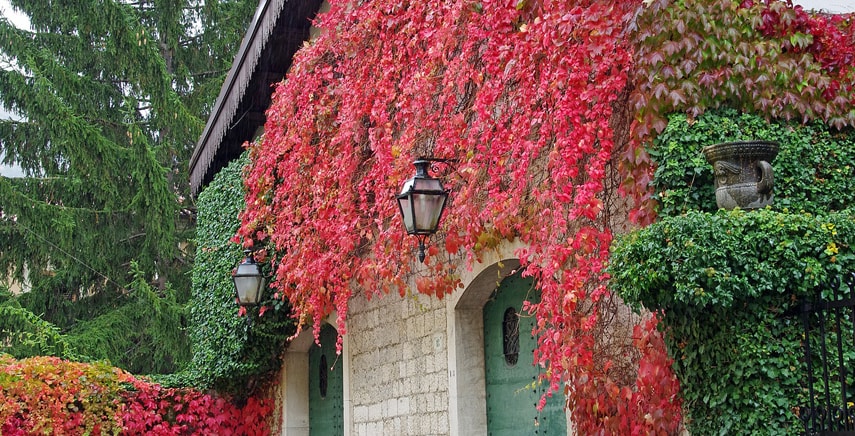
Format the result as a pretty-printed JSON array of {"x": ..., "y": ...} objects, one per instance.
[
  {"x": 522, "y": 93},
  {"x": 152, "y": 410},
  {"x": 651, "y": 406},
  {"x": 533, "y": 100},
  {"x": 47, "y": 395}
]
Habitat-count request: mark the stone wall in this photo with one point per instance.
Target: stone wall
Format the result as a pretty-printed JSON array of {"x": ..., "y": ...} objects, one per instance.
[{"x": 398, "y": 375}]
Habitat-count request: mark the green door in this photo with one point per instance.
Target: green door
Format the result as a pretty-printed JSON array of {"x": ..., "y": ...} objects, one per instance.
[
  {"x": 513, "y": 390},
  {"x": 326, "y": 382}
]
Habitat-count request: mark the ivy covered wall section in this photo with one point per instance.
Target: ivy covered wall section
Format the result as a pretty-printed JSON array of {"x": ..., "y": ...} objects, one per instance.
[
  {"x": 724, "y": 283},
  {"x": 813, "y": 170},
  {"x": 229, "y": 345},
  {"x": 727, "y": 283}
]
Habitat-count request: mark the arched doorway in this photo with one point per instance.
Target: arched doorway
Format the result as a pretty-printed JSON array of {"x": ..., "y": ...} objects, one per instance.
[
  {"x": 326, "y": 386},
  {"x": 511, "y": 379}
]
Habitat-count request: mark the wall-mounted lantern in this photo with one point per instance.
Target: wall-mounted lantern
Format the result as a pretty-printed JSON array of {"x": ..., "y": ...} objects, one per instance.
[
  {"x": 249, "y": 282},
  {"x": 422, "y": 201}
]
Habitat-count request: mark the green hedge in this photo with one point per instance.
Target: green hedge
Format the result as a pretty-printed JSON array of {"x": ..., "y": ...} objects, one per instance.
[
  {"x": 229, "y": 352},
  {"x": 702, "y": 260}
]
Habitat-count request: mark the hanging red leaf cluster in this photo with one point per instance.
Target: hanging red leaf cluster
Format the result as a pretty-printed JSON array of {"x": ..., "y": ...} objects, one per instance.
[{"x": 649, "y": 406}]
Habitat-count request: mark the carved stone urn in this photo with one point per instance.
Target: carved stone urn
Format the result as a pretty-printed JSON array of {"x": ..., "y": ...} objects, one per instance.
[{"x": 743, "y": 173}]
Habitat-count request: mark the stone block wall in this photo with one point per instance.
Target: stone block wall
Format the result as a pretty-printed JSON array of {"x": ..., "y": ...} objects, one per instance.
[{"x": 398, "y": 375}]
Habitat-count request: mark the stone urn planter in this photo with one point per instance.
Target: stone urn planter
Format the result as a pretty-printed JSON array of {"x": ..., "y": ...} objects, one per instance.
[{"x": 743, "y": 173}]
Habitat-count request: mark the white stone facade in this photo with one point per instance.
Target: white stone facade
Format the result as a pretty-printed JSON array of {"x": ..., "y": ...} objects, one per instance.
[
  {"x": 399, "y": 366},
  {"x": 412, "y": 365}
]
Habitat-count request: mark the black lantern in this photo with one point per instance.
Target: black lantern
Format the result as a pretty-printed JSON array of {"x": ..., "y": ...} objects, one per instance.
[
  {"x": 422, "y": 201},
  {"x": 249, "y": 282}
]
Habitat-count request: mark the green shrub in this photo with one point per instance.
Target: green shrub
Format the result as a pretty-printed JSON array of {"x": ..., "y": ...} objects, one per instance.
[
  {"x": 701, "y": 260},
  {"x": 725, "y": 283}
]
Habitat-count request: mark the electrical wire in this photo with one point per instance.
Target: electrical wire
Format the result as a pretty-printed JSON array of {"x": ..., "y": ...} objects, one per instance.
[{"x": 75, "y": 258}]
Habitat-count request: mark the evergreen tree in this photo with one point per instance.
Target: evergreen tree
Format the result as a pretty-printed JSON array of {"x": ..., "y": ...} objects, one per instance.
[{"x": 110, "y": 98}]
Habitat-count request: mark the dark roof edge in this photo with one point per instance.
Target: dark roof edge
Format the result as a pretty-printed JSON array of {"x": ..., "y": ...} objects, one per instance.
[{"x": 233, "y": 88}]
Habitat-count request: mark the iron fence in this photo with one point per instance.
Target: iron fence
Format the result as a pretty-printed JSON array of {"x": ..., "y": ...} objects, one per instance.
[{"x": 828, "y": 319}]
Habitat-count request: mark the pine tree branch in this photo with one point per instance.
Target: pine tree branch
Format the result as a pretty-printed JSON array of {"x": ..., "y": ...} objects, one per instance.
[
  {"x": 210, "y": 73},
  {"x": 132, "y": 237}
]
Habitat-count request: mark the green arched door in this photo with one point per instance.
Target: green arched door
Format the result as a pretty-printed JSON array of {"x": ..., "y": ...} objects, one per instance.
[
  {"x": 512, "y": 384},
  {"x": 326, "y": 383}
]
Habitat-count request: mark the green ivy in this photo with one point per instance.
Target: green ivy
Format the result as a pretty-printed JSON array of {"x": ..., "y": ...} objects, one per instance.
[
  {"x": 813, "y": 170},
  {"x": 728, "y": 283},
  {"x": 229, "y": 351},
  {"x": 739, "y": 369},
  {"x": 725, "y": 282},
  {"x": 701, "y": 260}
]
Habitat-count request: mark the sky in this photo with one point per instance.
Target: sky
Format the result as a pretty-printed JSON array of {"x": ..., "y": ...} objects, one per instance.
[
  {"x": 833, "y": 6},
  {"x": 19, "y": 20}
]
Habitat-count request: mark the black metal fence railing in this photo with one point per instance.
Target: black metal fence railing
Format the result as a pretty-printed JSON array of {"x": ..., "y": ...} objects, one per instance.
[{"x": 829, "y": 346}]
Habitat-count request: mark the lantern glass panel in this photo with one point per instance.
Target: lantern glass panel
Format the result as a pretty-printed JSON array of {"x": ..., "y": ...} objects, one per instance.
[
  {"x": 428, "y": 209},
  {"x": 427, "y": 185},
  {"x": 248, "y": 283},
  {"x": 421, "y": 202},
  {"x": 406, "y": 211}
]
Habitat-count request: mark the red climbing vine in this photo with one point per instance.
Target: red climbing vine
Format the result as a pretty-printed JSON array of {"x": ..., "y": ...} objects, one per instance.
[
  {"x": 522, "y": 93},
  {"x": 533, "y": 99}
]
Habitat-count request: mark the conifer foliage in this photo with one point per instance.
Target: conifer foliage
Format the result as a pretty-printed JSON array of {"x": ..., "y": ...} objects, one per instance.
[{"x": 108, "y": 98}]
